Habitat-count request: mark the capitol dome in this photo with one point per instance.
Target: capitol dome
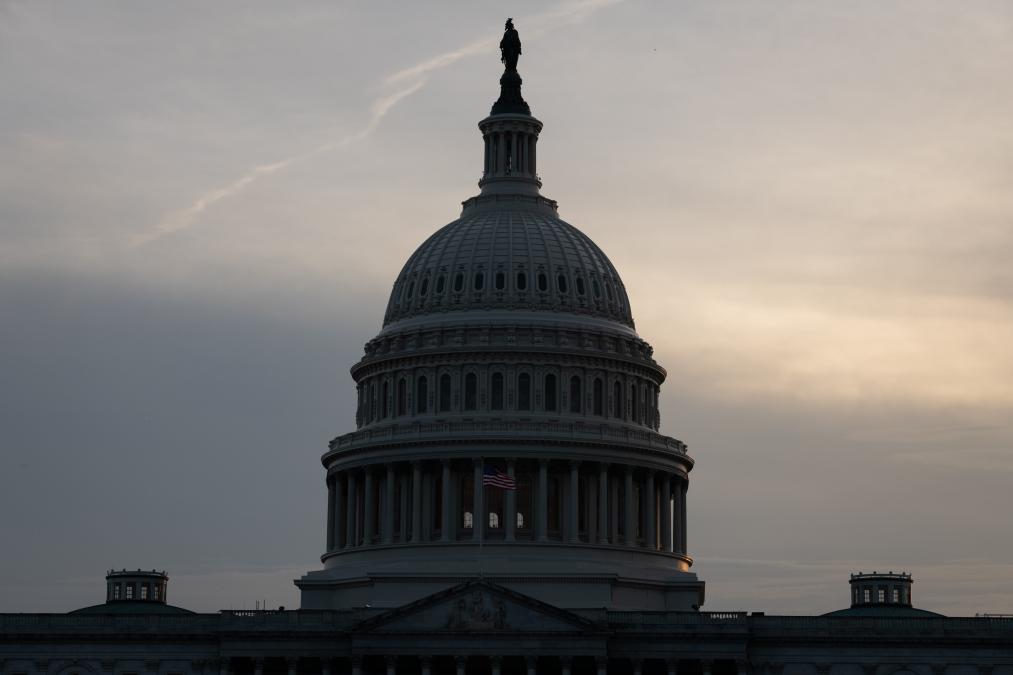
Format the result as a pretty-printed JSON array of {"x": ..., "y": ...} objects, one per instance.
[{"x": 507, "y": 419}]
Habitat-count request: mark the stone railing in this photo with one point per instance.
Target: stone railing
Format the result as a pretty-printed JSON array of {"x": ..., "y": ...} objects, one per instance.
[
  {"x": 157, "y": 623},
  {"x": 512, "y": 429}
]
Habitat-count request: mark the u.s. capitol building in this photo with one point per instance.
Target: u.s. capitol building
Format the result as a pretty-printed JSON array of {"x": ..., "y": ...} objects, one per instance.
[{"x": 506, "y": 503}]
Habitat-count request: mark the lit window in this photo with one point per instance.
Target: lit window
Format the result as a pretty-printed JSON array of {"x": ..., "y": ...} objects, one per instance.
[
  {"x": 116, "y": 591},
  {"x": 881, "y": 595},
  {"x": 866, "y": 597},
  {"x": 130, "y": 591},
  {"x": 157, "y": 590},
  {"x": 896, "y": 595},
  {"x": 469, "y": 520},
  {"x": 144, "y": 591},
  {"x": 493, "y": 520}
]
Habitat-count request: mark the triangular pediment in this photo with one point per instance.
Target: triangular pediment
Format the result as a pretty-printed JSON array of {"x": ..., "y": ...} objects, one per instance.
[{"x": 477, "y": 607}]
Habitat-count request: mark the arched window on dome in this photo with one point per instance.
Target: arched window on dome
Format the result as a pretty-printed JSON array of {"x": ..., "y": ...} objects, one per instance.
[
  {"x": 617, "y": 400},
  {"x": 575, "y": 402},
  {"x": 500, "y": 281},
  {"x": 580, "y": 285},
  {"x": 445, "y": 396},
  {"x": 549, "y": 392},
  {"x": 543, "y": 282},
  {"x": 385, "y": 401},
  {"x": 496, "y": 395},
  {"x": 470, "y": 391},
  {"x": 522, "y": 281},
  {"x": 424, "y": 287},
  {"x": 402, "y": 397},
  {"x": 441, "y": 283},
  {"x": 608, "y": 290},
  {"x": 524, "y": 392},
  {"x": 408, "y": 293},
  {"x": 459, "y": 282},
  {"x": 633, "y": 403},
  {"x": 479, "y": 281},
  {"x": 596, "y": 288},
  {"x": 561, "y": 283},
  {"x": 421, "y": 395},
  {"x": 598, "y": 394}
]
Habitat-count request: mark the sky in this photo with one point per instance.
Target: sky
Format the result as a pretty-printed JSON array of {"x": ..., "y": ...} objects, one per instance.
[{"x": 203, "y": 207}]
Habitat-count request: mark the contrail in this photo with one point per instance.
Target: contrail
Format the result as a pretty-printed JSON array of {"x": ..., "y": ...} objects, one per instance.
[{"x": 177, "y": 221}]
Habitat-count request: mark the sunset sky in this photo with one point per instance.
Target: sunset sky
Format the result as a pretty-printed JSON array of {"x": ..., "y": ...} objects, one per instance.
[{"x": 203, "y": 207}]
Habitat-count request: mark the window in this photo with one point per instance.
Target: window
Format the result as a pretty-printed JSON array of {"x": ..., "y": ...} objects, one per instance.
[
  {"x": 116, "y": 591},
  {"x": 598, "y": 395},
  {"x": 524, "y": 392},
  {"x": 385, "y": 403},
  {"x": 865, "y": 595},
  {"x": 421, "y": 394},
  {"x": 543, "y": 282},
  {"x": 580, "y": 285},
  {"x": 497, "y": 392},
  {"x": 402, "y": 397},
  {"x": 470, "y": 391},
  {"x": 459, "y": 282},
  {"x": 500, "y": 281},
  {"x": 575, "y": 403},
  {"x": 596, "y": 288},
  {"x": 617, "y": 400},
  {"x": 424, "y": 287},
  {"x": 411, "y": 289},
  {"x": 130, "y": 592},
  {"x": 896, "y": 595},
  {"x": 881, "y": 595},
  {"x": 561, "y": 283},
  {"x": 441, "y": 282},
  {"x": 144, "y": 591},
  {"x": 522, "y": 281},
  {"x": 479, "y": 281},
  {"x": 371, "y": 413},
  {"x": 633, "y": 403},
  {"x": 608, "y": 290},
  {"x": 550, "y": 393},
  {"x": 444, "y": 392},
  {"x": 157, "y": 591}
]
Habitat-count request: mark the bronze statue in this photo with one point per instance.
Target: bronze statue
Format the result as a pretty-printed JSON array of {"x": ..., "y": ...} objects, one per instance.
[{"x": 510, "y": 46}]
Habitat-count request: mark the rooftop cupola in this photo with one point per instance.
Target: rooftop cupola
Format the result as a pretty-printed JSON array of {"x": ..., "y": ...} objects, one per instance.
[
  {"x": 881, "y": 588},
  {"x": 510, "y": 132}
]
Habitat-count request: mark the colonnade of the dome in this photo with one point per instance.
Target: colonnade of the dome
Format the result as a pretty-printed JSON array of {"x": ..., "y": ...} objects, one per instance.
[{"x": 555, "y": 500}]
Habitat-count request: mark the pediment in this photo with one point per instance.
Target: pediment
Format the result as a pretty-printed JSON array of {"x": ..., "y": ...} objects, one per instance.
[{"x": 477, "y": 607}]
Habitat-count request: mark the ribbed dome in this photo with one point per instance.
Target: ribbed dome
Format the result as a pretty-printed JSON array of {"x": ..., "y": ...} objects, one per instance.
[{"x": 504, "y": 258}]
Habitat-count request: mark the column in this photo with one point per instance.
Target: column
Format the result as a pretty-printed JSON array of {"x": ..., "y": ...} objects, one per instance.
[
  {"x": 330, "y": 514},
  {"x": 325, "y": 667},
  {"x": 461, "y": 662},
  {"x": 601, "y": 664},
  {"x": 356, "y": 665},
  {"x": 638, "y": 666},
  {"x": 613, "y": 487},
  {"x": 513, "y": 154},
  {"x": 339, "y": 510},
  {"x": 532, "y": 168},
  {"x": 705, "y": 666},
  {"x": 427, "y": 665},
  {"x": 224, "y": 666},
  {"x": 416, "y": 502},
  {"x": 677, "y": 517},
  {"x": 353, "y": 498},
  {"x": 510, "y": 511},
  {"x": 650, "y": 532},
  {"x": 445, "y": 515},
  {"x": 603, "y": 498},
  {"x": 542, "y": 510},
  {"x": 391, "y": 662},
  {"x": 573, "y": 517},
  {"x": 293, "y": 665},
  {"x": 501, "y": 154},
  {"x": 496, "y": 662},
  {"x": 671, "y": 666},
  {"x": 403, "y": 506},
  {"x": 258, "y": 667},
  {"x": 666, "y": 513},
  {"x": 742, "y": 667},
  {"x": 682, "y": 511},
  {"x": 565, "y": 665},
  {"x": 427, "y": 506},
  {"x": 478, "y": 524},
  {"x": 532, "y": 663},
  {"x": 388, "y": 506},
  {"x": 369, "y": 507},
  {"x": 630, "y": 515}
]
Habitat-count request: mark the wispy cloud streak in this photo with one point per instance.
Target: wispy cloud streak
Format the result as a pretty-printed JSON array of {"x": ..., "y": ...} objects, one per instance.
[{"x": 416, "y": 76}]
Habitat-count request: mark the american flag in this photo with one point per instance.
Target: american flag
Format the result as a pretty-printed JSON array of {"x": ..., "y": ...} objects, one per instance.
[{"x": 491, "y": 475}]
